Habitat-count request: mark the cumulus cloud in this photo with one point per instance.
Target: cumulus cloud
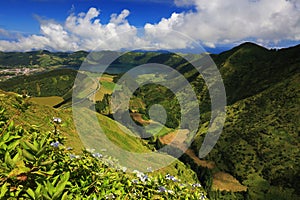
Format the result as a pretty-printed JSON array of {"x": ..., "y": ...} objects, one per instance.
[
  {"x": 210, "y": 22},
  {"x": 79, "y": 32},
  {"x": 220, "y": 22}
]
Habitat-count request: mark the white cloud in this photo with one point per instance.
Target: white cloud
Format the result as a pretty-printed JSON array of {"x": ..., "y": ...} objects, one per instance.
[
  {"x": 219, "y": 21},
  {"x": 210, "y": 22},
  {"x": 79, "y": 32}
]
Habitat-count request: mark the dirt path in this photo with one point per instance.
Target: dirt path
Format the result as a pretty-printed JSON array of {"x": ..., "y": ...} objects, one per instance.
[
  {"x": 221, "y": 181},
  {"x": 176, "y": 139},
  {"x": 138, "y": 117},
  {"x": 203, "y": 163}
]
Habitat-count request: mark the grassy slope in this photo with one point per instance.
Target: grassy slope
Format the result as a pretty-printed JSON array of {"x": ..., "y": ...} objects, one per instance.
[
  {"x": 51, "y": 101},
  {"x": 256, "y": 81},
  {"x": 260, "y": 142},
  {"x": 40, "y": 116}
]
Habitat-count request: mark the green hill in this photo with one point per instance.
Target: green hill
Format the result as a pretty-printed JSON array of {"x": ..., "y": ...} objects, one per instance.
[
  {"x": 37, "y": 162},
  {"x": 249, "y": 69},
  {"x": 50, "y": 83},
  {"x": 41, "y": 58},
  {"x": 39, "y": 118},
  {"x": 260, "y": 142}
]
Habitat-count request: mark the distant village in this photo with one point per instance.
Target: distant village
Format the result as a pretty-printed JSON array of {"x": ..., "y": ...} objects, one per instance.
[{"x": 7, "y": 73}]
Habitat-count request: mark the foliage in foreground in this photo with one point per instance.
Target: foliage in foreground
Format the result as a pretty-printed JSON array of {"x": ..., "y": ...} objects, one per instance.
[{"x": 37, "y": 165}]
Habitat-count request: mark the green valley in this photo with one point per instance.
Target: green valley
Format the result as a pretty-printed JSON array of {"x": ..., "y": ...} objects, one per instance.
[{"x": 256, "y": 157}]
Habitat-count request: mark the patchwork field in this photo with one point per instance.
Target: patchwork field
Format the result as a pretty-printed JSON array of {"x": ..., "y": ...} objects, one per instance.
[{"x": 50, "y": 101}]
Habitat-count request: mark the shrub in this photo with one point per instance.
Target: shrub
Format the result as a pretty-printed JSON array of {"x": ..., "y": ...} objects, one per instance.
[{"x": 35, "y": 165}]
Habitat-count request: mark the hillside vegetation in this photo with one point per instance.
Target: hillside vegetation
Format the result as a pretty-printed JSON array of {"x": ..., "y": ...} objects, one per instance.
[
  {"x": 260, "y": 142},
  {"x": 41, "y": 158},
  {"x": 50, "y": 83},
  {"x": 41, "y": 59}
]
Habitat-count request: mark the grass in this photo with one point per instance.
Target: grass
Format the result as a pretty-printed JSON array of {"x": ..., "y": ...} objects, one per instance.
[
  {"x": 106, "y": 86},
  {"x": 50, "y": 101},
  {"x": 225, "y": 182},
  {"x": 40, "y": 117}
]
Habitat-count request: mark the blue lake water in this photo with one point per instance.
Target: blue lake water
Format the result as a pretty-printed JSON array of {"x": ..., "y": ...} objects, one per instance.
[{"x": 118, "y": 68}]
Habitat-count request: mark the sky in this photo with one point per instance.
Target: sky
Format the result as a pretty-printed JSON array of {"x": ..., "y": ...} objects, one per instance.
[{"x": 216, "y": 25}]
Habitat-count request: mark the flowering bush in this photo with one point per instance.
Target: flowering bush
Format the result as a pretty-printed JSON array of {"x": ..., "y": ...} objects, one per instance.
[{"x": 36, "y": 165}]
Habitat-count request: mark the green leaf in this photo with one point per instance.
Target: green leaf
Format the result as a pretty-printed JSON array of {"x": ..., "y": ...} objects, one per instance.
[
  {"x": 28, "y": 155},
  {"x": 64, "y": 196},
  {"x": 46, "y": 196},
  {"x": 49, "y": 188},
  {"x": 20, "y": 169},
  {"x": 44, "y": 140},
  {"x": 38, "y": 191},
  {"x": 64, "y": 124},
  {"x": 4, "y": 189},
  {"x": 36, "y": 144},
  {"x": 48, "y": 173},
  {"x": 48, "y": 162},
  {"x": 11, "y": 126},
  {"x": 13, "y": 145},
  {"x": 129, "y": 183},
  {"x": 41, "y": 151},
  {"x": 5, "y": 137},
  {"x": 16, "y": 157},
  {"x": 7, "y": 159},
  {"x": 31, "y": 146},
  {"x": 31, "y": 193},
  {"x": 61, "y": 185}
]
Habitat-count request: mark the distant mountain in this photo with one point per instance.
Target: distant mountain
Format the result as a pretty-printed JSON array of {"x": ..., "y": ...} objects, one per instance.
[{"x": 41, "y": 58}]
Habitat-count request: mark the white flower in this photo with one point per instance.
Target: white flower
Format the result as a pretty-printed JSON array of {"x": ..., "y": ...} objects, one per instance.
[
  {"x": 134, "y": 181},
  {"x": 196, "y": 185},
  {"x": 90, "y": 150},
  {"x": 144, "y": 178},
  {"x": 57, "y": 120},
  {"x": 149, "y": 169},
  {"x": 136, "y": 171},
  {"x": 202, "y": 197},
  {"x": 73, "y": 156},
  {"x": 124, "y": 169},
  {"x": 172, "y": 178},
  {"x": 162, "y": 189},
  {"x": 55, "y": 144},
  {"x": 110, "y": 196},
  {"x": 97, "y": 155}
]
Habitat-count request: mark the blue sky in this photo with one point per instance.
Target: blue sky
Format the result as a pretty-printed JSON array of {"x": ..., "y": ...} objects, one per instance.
[
  {"x": 70, "y": 25},
  {"x": 22, "y": 15}
]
